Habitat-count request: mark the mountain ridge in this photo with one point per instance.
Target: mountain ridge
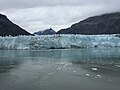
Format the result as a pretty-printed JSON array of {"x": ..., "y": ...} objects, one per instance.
[
  {"x": 7, "y": 27},
  {"x": 45, "y": 32},
  {"x": 102, "y": 24}
]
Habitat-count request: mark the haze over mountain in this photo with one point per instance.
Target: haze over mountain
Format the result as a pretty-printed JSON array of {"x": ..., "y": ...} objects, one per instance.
[
  {"x": 103, "y": 24},
  {"x": 8, "y": 28}
]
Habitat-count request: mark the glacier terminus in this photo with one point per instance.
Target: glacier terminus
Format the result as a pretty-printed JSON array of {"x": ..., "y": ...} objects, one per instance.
[{"x": 58, "y": 41}]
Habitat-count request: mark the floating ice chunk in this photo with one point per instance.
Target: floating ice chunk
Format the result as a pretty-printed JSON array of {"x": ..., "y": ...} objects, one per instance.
[
  {"x": 95, "y": 69},
  {"x": 50, "y": 73},
  {"x": 59, "y": 68},
  {"x": 99, "y": 76},
  {"x": 87, "y": 74},
  {"x": 74, "y": 71},
  {"x": 96, "y": 77},
  {"x": 64, "y": 66},
  {"x": 117, "y": 65}
]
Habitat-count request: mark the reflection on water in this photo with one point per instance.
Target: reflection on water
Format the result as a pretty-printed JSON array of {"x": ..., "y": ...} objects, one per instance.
[{"x": 74, "y": 69}]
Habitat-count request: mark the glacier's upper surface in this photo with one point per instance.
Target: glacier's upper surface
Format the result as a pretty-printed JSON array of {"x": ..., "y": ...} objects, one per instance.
[{"x": 59, "y": 41}]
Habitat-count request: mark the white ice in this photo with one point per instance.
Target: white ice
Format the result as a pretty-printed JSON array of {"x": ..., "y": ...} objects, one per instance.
[{"x": 59, "y": 41}]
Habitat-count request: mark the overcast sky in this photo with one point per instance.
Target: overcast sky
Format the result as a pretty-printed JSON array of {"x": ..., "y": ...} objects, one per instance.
[{"x": 35, "y": 15}]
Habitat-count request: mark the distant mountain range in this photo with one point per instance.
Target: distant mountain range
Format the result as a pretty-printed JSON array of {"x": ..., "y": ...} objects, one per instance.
[
  {"x": 8, "y": 28},
  {"x": 103, "y": 24},
  {"x": 45, "y": 32}
]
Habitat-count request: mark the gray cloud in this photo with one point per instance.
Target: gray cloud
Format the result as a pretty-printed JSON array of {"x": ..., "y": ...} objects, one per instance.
[
  {"x": 7, "y": 4},
  {"x": 36, "y": 15}
]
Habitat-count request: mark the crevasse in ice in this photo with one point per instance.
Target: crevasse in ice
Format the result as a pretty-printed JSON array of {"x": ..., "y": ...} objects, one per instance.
[{"x": 59, "y": 41}]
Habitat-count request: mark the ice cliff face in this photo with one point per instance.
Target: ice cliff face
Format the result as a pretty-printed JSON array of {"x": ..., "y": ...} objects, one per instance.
[{"x": 59, "y": 41}]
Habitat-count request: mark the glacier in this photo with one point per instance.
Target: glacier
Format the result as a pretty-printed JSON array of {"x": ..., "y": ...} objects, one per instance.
[{"x": 58, "y": 42}]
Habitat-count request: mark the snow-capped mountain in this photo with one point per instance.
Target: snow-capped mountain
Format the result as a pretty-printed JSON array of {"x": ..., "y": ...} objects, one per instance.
[{"x": 45, "y": 32}]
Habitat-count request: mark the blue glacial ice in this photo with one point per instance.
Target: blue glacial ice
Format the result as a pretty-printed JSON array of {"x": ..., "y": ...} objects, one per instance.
[{"x": 59, "y": 41}]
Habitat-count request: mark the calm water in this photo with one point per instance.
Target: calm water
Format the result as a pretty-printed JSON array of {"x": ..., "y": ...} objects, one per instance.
[{"x": 74, "y": 69}]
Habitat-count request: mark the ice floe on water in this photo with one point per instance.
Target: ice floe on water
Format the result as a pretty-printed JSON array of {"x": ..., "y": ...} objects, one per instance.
[
  {"x": 74, "y": 71},
  {"x": 99, "y": 76},
  {"x": 59, "y": 68},
  {"x": 59, "y": 41},
  {"x": 88, "y": 75},
  {"x": 117, "y": 66},
  {"x": 95, "y": 69}
]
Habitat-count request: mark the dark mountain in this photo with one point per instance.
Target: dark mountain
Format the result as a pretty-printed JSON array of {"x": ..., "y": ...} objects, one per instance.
[
  {"x": 8, "y": 28},
  {"x": 45, "y": 32},
  {"x": 103, "y": 24}
]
